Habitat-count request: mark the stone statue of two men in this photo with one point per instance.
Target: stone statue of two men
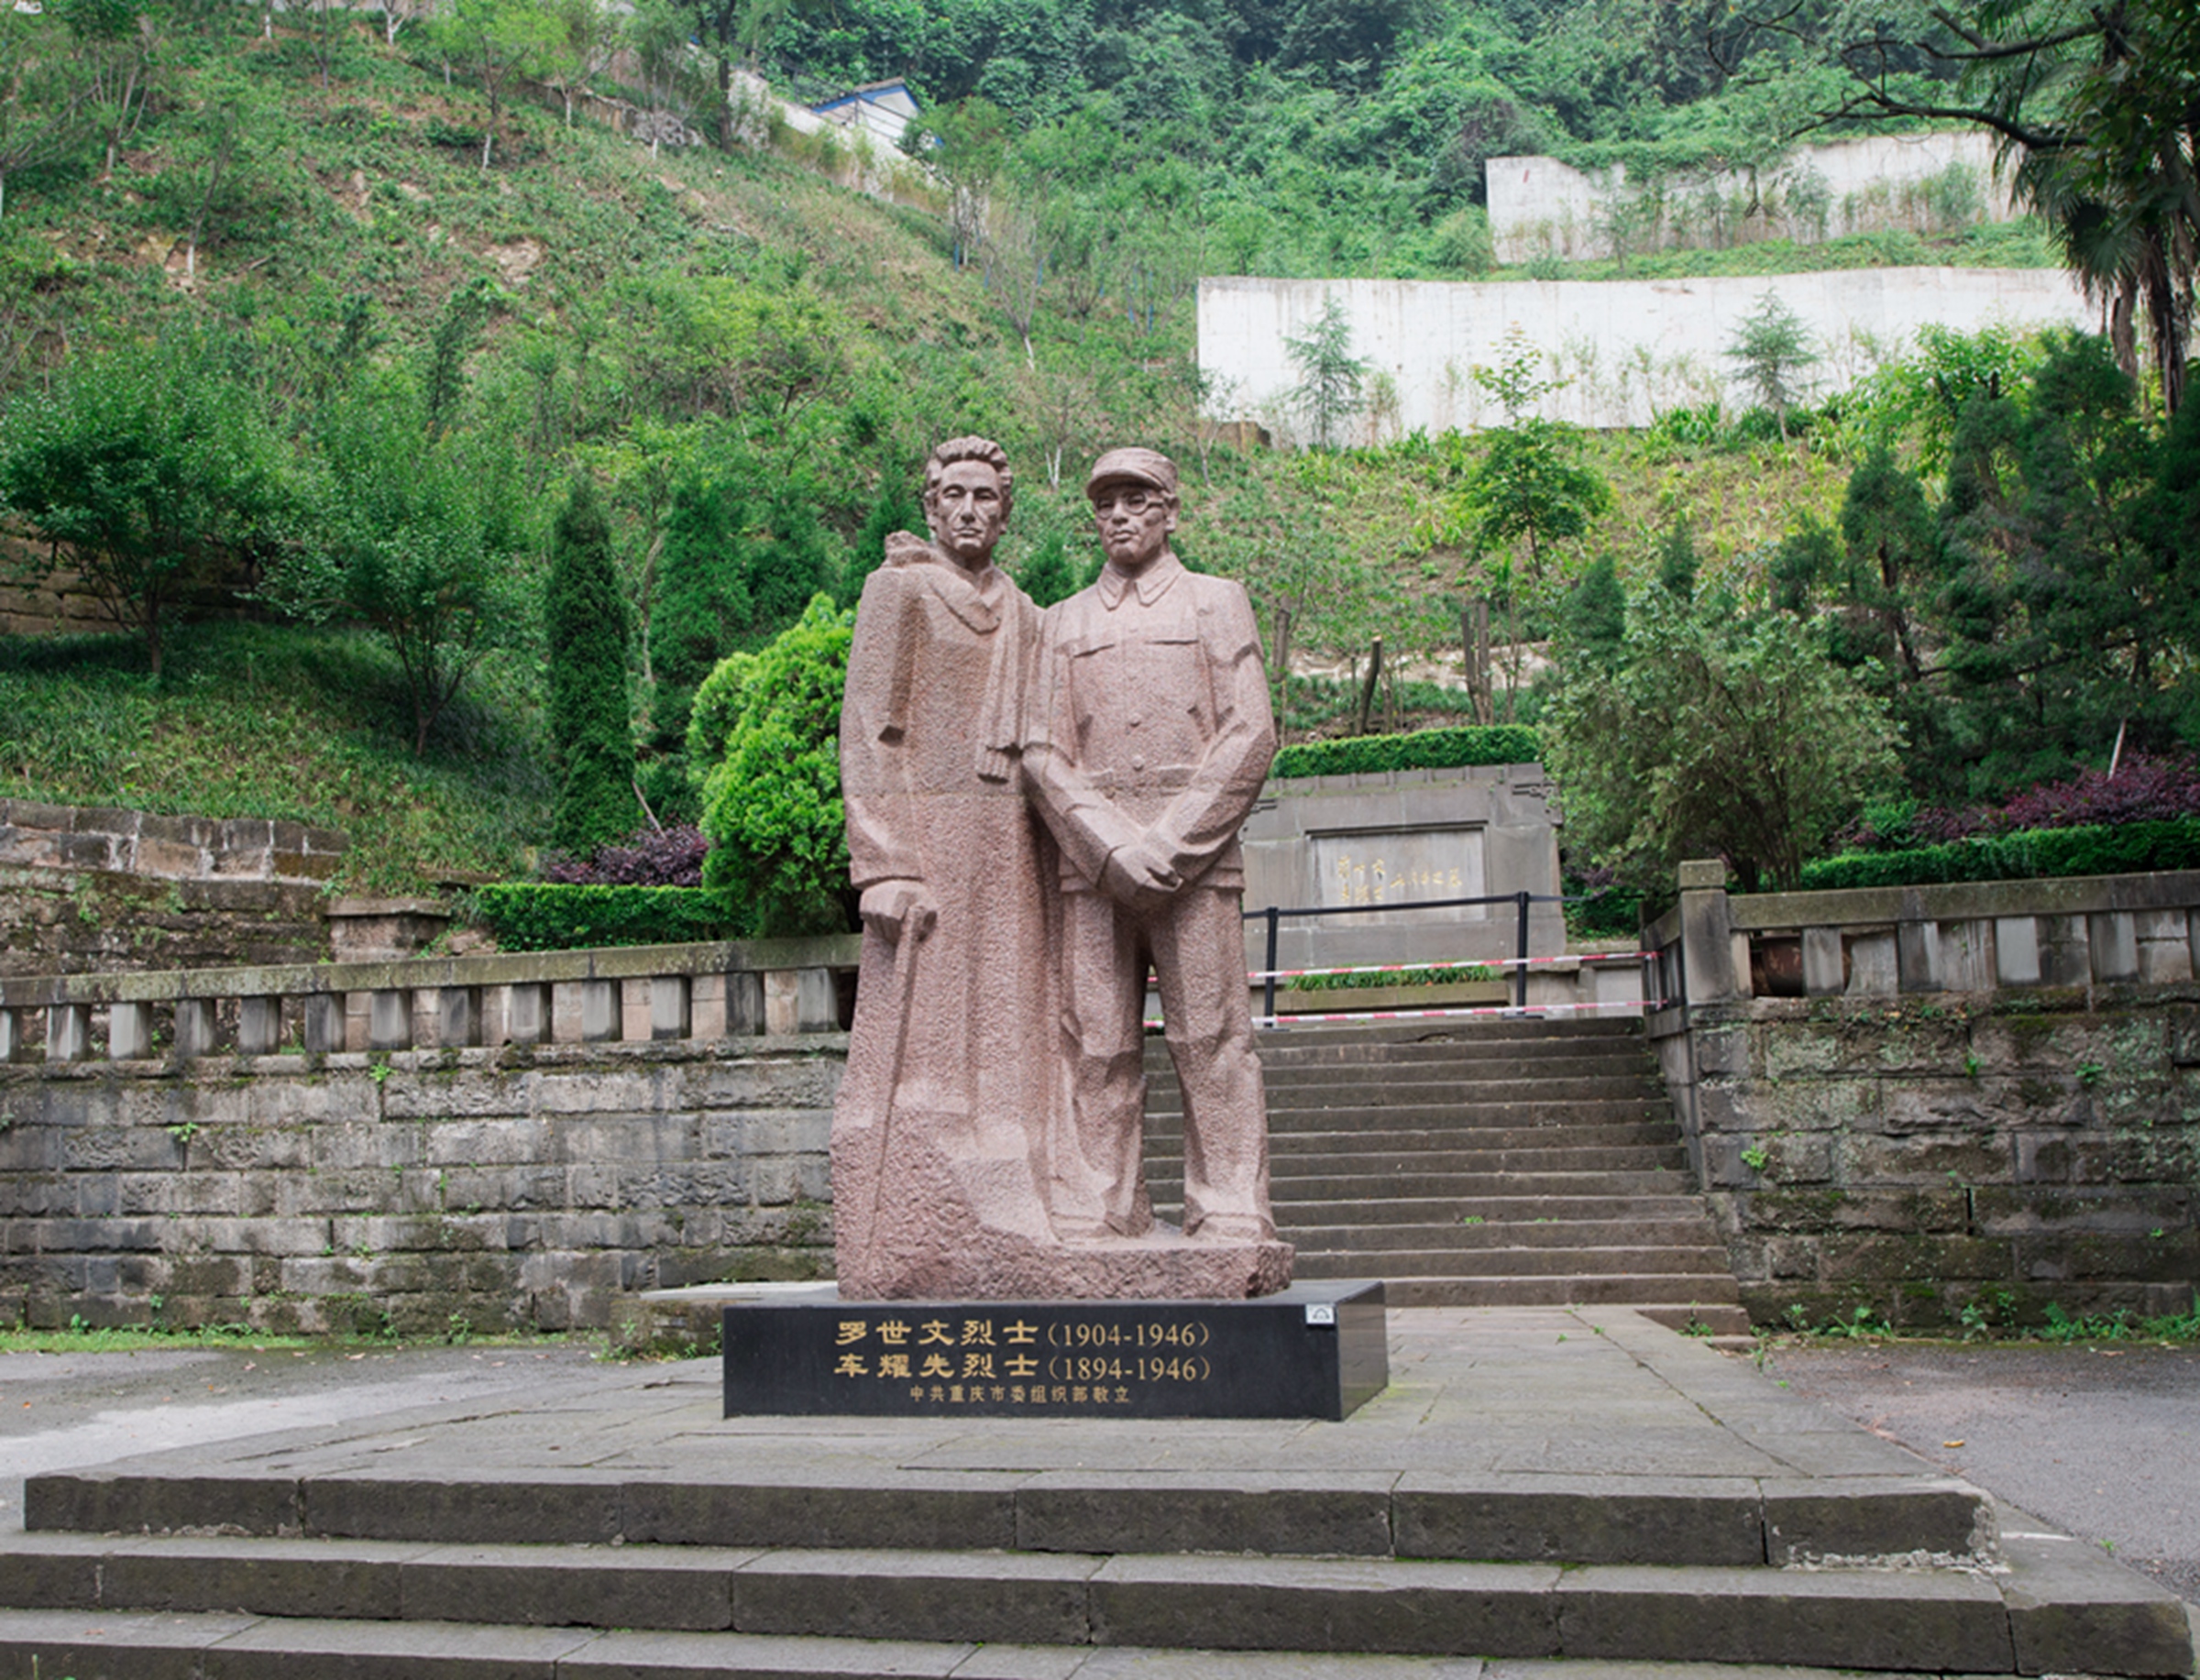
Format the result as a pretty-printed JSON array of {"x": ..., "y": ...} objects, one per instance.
[{"x": 1038, "y": 806}]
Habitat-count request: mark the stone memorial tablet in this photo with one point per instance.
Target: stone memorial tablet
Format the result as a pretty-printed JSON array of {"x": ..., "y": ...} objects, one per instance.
[{"x": 1314, "y": 1350}]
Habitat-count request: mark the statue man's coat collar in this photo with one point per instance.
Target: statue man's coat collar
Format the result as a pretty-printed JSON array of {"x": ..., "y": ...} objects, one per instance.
[
  {"x": 1151, "y": 584},
  {"x": 978, "y": 601}
]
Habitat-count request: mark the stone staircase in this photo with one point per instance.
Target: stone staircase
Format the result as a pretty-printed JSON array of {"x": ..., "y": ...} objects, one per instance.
[
  {"x": 1498, "y": 1163},
  {"x": 626, "y": 1533}
]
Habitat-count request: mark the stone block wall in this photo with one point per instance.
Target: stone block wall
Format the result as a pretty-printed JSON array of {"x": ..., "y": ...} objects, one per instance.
[
  {"x": 417, "y": 1189},
  {"x": 1988, "y": 1102},
  {"x": 93, "y": 887}
]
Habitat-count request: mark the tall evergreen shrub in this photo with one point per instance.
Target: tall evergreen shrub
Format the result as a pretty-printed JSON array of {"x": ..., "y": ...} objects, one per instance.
[{"x": 589, "y": 734}]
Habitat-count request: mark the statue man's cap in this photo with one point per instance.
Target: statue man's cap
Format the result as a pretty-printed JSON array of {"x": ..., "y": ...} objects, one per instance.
[{"x": 1147, "y": 467}]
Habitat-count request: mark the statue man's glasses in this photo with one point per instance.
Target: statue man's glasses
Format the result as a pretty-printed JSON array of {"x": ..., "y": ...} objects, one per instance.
[{"x": 1130, "y": 501}]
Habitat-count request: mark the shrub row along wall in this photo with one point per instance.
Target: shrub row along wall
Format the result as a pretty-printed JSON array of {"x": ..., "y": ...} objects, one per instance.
[
  {"x": 91, "y": 888},
  {"x": 419, "y": 1190},
  {"x": 1980, "y": 1097}
]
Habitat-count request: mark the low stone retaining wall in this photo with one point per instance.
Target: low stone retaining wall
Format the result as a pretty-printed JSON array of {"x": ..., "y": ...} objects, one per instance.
[
  {"x": 1981, "y": 1098},
  {"x": 420, "y": 1191},
  {"x": 84, "y": 887},
  {"x": 513, "y": 1140}
]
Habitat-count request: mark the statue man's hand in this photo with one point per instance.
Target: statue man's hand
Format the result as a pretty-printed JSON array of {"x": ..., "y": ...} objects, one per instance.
[
  {"x": 1140, "y": 876},
  {"x": 889, "y": 908}
]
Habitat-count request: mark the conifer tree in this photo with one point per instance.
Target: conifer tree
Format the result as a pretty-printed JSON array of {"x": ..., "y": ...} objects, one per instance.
[{"x": 589, "y": 732}]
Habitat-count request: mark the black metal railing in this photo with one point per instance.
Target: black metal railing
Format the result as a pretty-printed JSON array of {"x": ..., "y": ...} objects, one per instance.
[{"x": 1274, "y": 914}]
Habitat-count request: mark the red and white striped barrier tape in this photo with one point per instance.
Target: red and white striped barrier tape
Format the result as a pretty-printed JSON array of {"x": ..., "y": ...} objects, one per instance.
[{"x": 1485, "y": 962}]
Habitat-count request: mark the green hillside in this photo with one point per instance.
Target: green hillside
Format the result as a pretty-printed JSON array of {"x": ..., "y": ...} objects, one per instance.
[{"x": 371, "y": 306}]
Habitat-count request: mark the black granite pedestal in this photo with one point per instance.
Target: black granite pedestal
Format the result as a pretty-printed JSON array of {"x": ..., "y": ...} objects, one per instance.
[{"x": 1316, "y": 1350}]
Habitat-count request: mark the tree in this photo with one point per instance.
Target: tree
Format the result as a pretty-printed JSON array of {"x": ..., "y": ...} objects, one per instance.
[
  {"x": 1328, "y": 391},
  {"x": 143, "y": 468},
  {"x": 2094, "y": 106},
  {"x": 656, "y": 33},
  {"x": 702, "y": 607},
  {"x": 965, "y": 144},
  {"x": 1715, "y": 732},
  {"x": 416, "y": 538},
  {"x": 896, "y": 509},
  {"x": 584, "y": 36},
  {"x": 590, "y": 733},
  {"x": 1048, "y": 576},
  {"x": 498, "y": 41},
  {"x": 43, "y": 95},
  {"x": 772, "y": 799},
  {"x": 1774, "y": 348}
]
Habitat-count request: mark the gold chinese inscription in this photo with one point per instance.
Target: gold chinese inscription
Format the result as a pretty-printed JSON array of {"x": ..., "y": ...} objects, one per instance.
[
  {"x": 1008, "y": 1361},
  {"x": 1375, "y": 882}
]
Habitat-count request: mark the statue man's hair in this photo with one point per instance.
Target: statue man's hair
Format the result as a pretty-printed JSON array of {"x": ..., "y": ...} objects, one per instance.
[{"x": 970, "y": 449}]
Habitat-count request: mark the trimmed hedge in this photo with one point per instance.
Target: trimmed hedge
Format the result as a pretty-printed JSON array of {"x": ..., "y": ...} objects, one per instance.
[
  {"x": 553, "y": 916},
  {"x": 1500, "y": 743},
  {"x": 2127, "y": 849}
]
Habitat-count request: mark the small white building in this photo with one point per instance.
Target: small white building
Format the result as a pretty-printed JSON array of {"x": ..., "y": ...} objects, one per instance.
[{"x": 882, "y": 108}]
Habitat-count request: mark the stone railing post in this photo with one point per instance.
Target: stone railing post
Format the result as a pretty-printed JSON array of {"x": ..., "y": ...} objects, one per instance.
[
  {"x": 258, "y": 1026},
  {"x": 195, "y": 1027},
  {"x": 458, "y": 1016},
  {"x": 527, "y": 1013},
  {"x": 671, "y": 1009},
  {"x": 11, "y": 1034},
  {"x": 323, "y": 1022},
  {"x": 1707, "y": 936},
  {"x": 390, "y": 1019},
  {"x": 68, "y": 1032},
  {"x": 601, "y": 1012},
  {"x": 129, "y": 1031}
]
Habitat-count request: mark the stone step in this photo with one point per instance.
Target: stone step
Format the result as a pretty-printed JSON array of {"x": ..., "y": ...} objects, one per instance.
[
  {"x": 1380, "y": 1242},
  {"x": 1620, "y": 1059},
  {"x": 1438, "y": 1154},
  {"x": 1385, "y": 1186},
  {"x": 144, "y": 1538},
  {"x": 1551, "y": 1133},
  {"x": 1372, "y": 1091},
  {"x": 1632, "y": 1289},
  {"x": 1495, "y": 1209},
  {"x": 1463, "y": 1116},
  {"x": 1688, "y": 1259},
  {"x": 588, "y": 1614}
]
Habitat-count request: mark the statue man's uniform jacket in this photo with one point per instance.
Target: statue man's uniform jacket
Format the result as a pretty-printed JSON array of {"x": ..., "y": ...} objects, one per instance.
[
  {"x": 940, "y": 1127},
  {"x": 1150, "y": 718}
]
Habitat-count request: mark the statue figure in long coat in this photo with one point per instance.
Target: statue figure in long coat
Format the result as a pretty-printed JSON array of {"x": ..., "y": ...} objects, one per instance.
[{"x": 940, "y": 1138}]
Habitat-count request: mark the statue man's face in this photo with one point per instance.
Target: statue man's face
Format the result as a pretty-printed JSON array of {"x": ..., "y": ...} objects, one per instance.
[
  {"x": 967, "y": 512},
  {"x": 1135, "y": 520}
]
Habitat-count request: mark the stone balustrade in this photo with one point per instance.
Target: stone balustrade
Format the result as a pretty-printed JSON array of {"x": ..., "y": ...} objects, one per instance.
[
  {"x": 727, "y": 990},
  {"x": 1967, "y": 1101},
  {"x": 1967, "y": 937}
]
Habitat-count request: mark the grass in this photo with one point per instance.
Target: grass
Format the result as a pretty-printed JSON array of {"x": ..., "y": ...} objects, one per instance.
[
  {"x": 2057, "y": 1327},
  {"x": 275, "y": 721},
  {"x": 2023, "y": 244}
]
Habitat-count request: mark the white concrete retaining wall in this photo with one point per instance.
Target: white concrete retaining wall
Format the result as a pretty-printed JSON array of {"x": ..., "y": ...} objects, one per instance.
[
  {"x": 1540, "y": 206},
  {"x": 1629, "y": 349}
]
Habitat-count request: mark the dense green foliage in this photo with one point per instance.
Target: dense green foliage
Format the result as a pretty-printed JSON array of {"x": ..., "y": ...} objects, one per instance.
[
  {"x": 265, "y": 721},
  {"x": 591, "y": 741},
  {"x": 553, "y": 916},
  {"x": 424, "y": 292},
  {"x": 1441, "y": 749},
  {"x": 139, "y": 471},
  {"x": 1709, "y": 729},
  {"x": 772, "y": 802},
  {"x": 2129, "y": 849}
]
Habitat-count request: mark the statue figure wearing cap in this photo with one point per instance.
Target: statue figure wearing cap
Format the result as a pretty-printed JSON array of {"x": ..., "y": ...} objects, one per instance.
[
  {"x": 939, "y": 1136},
  {"x": 1149, "y": 733}
]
